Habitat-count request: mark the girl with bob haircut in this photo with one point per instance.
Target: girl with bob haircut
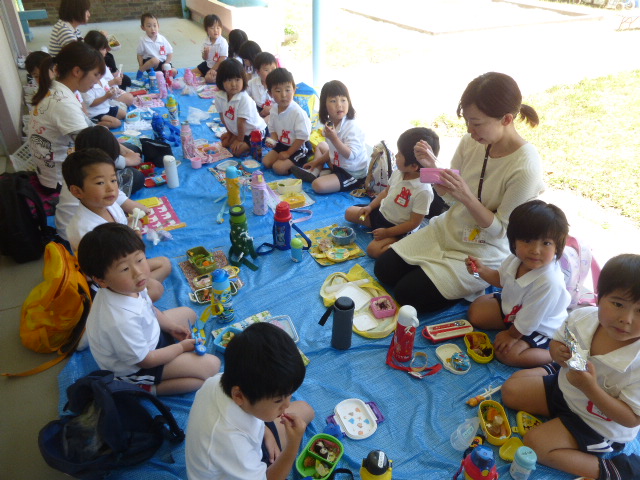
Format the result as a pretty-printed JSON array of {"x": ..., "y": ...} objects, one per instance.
[
  {"x": 344, "y": 151},
  {"x": 238, "y": 111},
  {"x": 58, "y": 117},
  {"x": 499, "y": 170},
  {"x": 236, "y": 38},
  {"x": 248, "y": 52},
  {"x": 71, "y": 14}
]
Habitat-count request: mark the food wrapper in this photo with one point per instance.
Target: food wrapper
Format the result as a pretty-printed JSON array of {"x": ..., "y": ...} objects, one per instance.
[{"x": 578, "y": 360}]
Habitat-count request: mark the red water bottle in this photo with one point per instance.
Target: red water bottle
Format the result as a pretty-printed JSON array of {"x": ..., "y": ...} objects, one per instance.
[
  {"x": 405, "y": 333},
  {"x": 282, "y": 227},
  {"x": 256, "y": 145}
]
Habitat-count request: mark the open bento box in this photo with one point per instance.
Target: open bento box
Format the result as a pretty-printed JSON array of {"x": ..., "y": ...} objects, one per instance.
[
  {"x": 223, "y": 339},
  {"x": 202, "y": 260},
  {"x": 320, "y": 457}
]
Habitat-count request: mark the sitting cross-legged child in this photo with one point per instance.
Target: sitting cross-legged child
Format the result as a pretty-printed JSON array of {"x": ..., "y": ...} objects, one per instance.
[
  {"x": 243, "y": 424},
  {"x": 127, "y": 334}
]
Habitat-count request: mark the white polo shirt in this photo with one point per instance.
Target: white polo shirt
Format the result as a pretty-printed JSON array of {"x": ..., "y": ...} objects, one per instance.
[
  {"x": 291, "y": 125},
  {"x": 84, "y": 221},
  {"x": 241, "y": 105},
  {"x": 404, "y": 198},
  {"x": 159, "y": 48}
]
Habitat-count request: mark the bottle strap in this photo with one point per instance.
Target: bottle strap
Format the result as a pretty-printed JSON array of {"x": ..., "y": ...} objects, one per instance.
[
  {"x": 325, "y": 316},
  {"x": 418, "y": 372},
  {"x": 302, "y": 234}
]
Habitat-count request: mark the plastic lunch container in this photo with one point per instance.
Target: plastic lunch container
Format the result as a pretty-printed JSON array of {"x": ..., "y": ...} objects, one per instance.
[
  {"x": 285, "y": 323},
  {"x": 486, "y": 411},
  {"x": 313, "y": 456},
  {"x": 197, "y": 256},
  {"x": 220, "y": 339},
  {"x": 483, "y": 339}
]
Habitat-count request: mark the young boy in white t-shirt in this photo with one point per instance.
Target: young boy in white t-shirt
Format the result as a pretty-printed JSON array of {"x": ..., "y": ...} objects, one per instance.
[
  {"x": 400, "y": 208},
  {"x": 289, "y": 125},
  {"x": 127, "y": 334},
  {"x": 264, "y": 64},
  {"x": 154, "y": 50},
  {"x": 98, "y": 107}
]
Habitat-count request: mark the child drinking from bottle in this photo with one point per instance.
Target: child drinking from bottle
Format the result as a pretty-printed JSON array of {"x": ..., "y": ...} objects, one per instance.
[{"x": 534, "y": 298}]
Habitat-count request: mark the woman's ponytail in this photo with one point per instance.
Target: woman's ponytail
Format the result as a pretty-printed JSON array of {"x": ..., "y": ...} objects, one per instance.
[
  {"x": 44, "y": 82},
  {"x": 529, "y": 115}
]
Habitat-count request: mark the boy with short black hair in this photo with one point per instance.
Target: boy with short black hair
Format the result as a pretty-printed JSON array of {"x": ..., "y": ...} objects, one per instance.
[
  {"x": 289, "y": 125},
  {"x": 264, "y": 64},
  {"x": 595, "y": 411},
  {"x": 154, "y": 50},
  {"x": 231, "y": 432},
  {"x": 127, "y": 334}
]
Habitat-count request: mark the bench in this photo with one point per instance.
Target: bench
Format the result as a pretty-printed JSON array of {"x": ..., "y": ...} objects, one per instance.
[{"x": 26, "y": 15}]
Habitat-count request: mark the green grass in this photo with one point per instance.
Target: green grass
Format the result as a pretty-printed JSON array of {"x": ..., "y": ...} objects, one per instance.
[{"x": 588, "y": 139}]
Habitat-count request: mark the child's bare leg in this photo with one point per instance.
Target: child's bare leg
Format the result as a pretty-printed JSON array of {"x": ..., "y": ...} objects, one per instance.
[
  {"x": 322, "y": 149},
  {"x": 326, "y": 184},
  {"x": 126, "y": 98},
  {"x": 187, "y": 372},
  {"x": 270, "y": 158},
  {"x": 152, "y": 63},
  {"x": 378, "y": 247},
  {"x": 282, "y": 167},
  {"x": 524, "y": 390},
  {"x": 121, "y": 114},
  {"x": 160, "y": 267},
  {"x": 522, "y": 355},
  {"x": 155, "y": 289},
  {"x": 300, "y": 408},
  {"x": 353, "y": 215},
  {"x": 485, "y": 313},
  {"x": 109, "y": 122}
]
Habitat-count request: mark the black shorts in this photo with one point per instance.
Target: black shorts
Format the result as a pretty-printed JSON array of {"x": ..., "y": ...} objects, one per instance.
[
  {"x": 535, "y": 339},
  {"x": 158, "y": 68},
  {"x": 301, "y": 156},
  {"x": 265, "y": 453},
  {"x": 347, "y": 182},
  {"x": 203, "y": 68},
  {"x": 588, "y": 439},
  {"x": 153, "y": 375},
  {"x": 113, "y": 112}
]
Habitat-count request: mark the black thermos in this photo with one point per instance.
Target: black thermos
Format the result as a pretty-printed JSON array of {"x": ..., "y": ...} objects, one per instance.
[{"x": 342, "y": 323}]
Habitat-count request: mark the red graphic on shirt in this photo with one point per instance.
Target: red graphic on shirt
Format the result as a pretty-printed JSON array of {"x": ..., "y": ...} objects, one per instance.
[
  {"x": 267, "y": 103},
  {"x": 511, "y": 316},
  {"x": 593, "y": 410},
  {"x": 284, "y": 137},
  {"x": 230, "y": 113},
  {"x": 216, "y": 57},
  {"x": 163, "y": 51},
  {"x": 336, "y": 159},
  {"x": 403, "y": 197}
]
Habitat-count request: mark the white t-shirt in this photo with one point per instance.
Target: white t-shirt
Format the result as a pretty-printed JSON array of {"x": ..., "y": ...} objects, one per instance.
[
  {"x": 121, "y": 330},
  {"x": 98, "y": 90},
  {"x": 259, "y": 93},
  {"x": 223, "y": 441},
  {"x": 291, "y": 125},
  {"x": 240, "y": 106},
  {"x": 84, "y": 221},
  {"x": 404, "y": 198},
  {"x": 541, "y": 295},
  {"x": 158, "y": 49},
  {"x": 618, "y": 374},
  {"x": 58, "y": 115},
  {"x": 216, "y": 50},
  {"x": 350, "y": 133}
]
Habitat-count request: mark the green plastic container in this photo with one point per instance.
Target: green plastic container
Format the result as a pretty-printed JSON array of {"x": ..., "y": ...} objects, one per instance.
[
  {"x": 198, "y": 256},
  {"x": 310, "y": 450}
]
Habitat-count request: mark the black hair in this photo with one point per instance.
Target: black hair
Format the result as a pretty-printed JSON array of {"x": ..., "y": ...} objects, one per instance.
[
  {"x": 535, "y": 220},
  {"x": 100, "y": 248},
  {"x": 146, "y": 15},
  {"x": 96, "y": 39},
  {"x": 210, "y": 21},
  {"x": 264, "y": 58},
  {"x": 280, "y": 76},
  {"x": 73, "y": 54},
  {"x": 334, "y": 88},
  {"x": 98, "y": 137},
  {"x": 74, "y": 167},
  {"x": 236, "y": 38},
  {"x": 248, "y": 50},
  {"x": 34, "y": 59},
  {"x": 228, "y": 70},
  {"x": 495, "y": 95},
  {"x": 264, "y": 362},
  {"x": 73, "y": 10},
  {"x": 622, "y": 273},
  {"x": 409, "y": 138}
]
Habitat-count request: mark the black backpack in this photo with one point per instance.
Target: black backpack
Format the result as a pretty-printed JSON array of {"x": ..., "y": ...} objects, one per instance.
[
  {"x": 23, "y": 223},
  {"x": 110, "y": 428}
]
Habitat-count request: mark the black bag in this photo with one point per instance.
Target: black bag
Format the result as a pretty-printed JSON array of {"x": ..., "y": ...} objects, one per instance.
[
  {"x": 154, "y": 151},
  {"x": 110, "y": 428},
  {"x": 23, "y": 223}
]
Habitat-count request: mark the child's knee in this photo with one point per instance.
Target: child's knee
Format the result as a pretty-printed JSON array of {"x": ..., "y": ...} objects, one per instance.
[
  {"x": 281, "y": 168},
  {"x": 510, "y": 391},
  {"x": 121, "y": 114},
  {"x": 212, "y": 365}
]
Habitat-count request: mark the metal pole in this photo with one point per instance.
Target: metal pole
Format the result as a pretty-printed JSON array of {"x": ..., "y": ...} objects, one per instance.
[{"x": 318, "y": 47}]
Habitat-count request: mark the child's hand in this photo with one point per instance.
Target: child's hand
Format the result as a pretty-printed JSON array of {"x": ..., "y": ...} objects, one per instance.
[
  {"x": 117, "y": 80},
  {"x": 330, "y": 132},
  {"x": 503, "y": 342},
  {"x": 380, "y": 233},
  {"x": 266, "y": 110},
  {"x": 583, "y": 381},
  {"x": 294, "y": 427},
  {"x": 225, "y": 139},
  {"x": 283, "y": 155},
  {"x": 473, "y": 265},
  {"x": 424, "y": 154},
  {"x": 205, "y": 53},
  {"x": 236, "y": 146},
  {"x": 364, "y": 213},
  {"x": 188, "y": 345},
  {"x": 559, "y": 352}
]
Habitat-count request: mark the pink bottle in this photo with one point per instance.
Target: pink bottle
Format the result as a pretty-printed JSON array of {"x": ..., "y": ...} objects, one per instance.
[
  {"x": 162, "y": 85},
  {"x": 188, "y": 77},
  {"x": 186, "y": 137}
]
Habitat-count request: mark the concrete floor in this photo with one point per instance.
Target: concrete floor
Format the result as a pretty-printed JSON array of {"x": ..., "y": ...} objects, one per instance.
[{"x": 538, "y": 57}]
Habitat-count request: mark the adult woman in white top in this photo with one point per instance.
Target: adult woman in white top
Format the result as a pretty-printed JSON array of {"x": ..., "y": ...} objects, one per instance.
[{"x": 499, "y": 170}]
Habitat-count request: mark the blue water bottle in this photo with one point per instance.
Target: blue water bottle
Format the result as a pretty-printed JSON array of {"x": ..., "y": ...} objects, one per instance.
[
  {"x": 221, "y": 302},
  {"x": 282, "y": 227}
]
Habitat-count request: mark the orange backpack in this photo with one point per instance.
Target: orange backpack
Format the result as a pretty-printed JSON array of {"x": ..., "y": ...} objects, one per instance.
[{"x": 55, "y": 312}]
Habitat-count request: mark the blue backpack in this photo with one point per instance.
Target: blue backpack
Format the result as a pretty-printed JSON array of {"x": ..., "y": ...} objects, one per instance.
[{"x": 108, "y": 427}]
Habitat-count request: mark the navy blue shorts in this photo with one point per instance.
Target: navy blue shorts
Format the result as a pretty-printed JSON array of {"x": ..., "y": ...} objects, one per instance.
[
  {"x": 589, "y": 441},
  {"x": 300, "y": 157},
  {"x": 113, "y": 112},
  {"x": 347, "y": 182},
  {"x": 203, "y": 68},
  {"x": 534, "y": 340},
  {"x": 153, "y": 375},
  {"x": 158, "y": 68},
  {"x": 265, "y": 453},
  {"x": 377, "y": 219}
]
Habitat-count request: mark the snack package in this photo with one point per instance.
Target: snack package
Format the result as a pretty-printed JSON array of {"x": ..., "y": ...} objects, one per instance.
[{"x": 578, "y": 360}]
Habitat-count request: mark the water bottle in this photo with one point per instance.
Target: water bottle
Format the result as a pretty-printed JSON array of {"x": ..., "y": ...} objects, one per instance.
[
  {"x": 342, "y": 323},
  {"x": 259, "y": 193},
  {"x": 221, "y": 300},
  {"x": 256, "y": 145},
  {"x": 405, "y": 333},
  {"x": 188, "y": 76},
  {"x": 186, "y": 137},
  {"x": 376, "y": 466},
  {"x": 162, "y": 85},
  {"x": 174, "y": 110},
  {"x": 233, "y": 186},
  {"x": 171, "y": 171},
  {"x": 153, "y": 84},
  {"x": 524, "y": 462},
  {"x": 480, "y": 464},
  {"x": 296, "y": 249},
  {"x": 168, "y": 78},
  {"x": 282, "y": 226}
]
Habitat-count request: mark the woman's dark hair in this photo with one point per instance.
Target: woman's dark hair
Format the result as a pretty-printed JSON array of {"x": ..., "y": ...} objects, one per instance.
[
  {"x": 74, "y": 54},
  {"x": 409, "y": 138},
  {"x": 98, "y": 137},
  {"x": 264, "y": 362},
  {"x": 535, "y": 220},
  {"x": 495, "y": 95},
  {"x": 280, "y": 76},
  {"x": 249, "y": 50},
  {"x": 236, "y": 38},
  {"x": 264, "y": 58},
  {"x": 229, "y": 69},
  {"x": 73, "y": 10},
  {"x": 96, "y": 39},
  {"x": 334, "y": 88},
  {"x": 104, "y": 245},
  {"x": 622, "y": 273}
]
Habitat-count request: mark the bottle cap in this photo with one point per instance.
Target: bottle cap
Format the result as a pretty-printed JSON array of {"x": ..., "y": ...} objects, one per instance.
[
  {"x": 220, "y": 279},
  {"x": 376, "y": 462},
  {"x": 408, "y": 316},
  {"x": 232, "y": 172},
  {"x": 344, "y": 303},
  {"x": 256, "y": 136},
  {"x": 237, "y": 214},
  {"x": 283, "y": 212},
  {"x": 296, "y": 243},
  {"x": 526, "y": 458}
]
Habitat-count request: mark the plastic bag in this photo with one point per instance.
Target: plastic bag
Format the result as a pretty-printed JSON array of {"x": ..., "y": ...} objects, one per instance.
[{"x": 196, "y": 116}]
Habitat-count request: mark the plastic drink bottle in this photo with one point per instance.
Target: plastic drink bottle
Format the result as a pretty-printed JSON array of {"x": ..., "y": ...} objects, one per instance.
[
  {"x": 256, "y": 145},
  {"x": 296, "y": 249},
  {"x": 162, "y": 85},
  {"x": 376, "y": 466},
  {"x": 233, "y": 186},
  {"x": 480, "y": 464},
  {"x": 186, "y": 137},
  {"x": 174, "y": 110},
  {"x": 188, "y": 77},
  {"x": 282, "y": 226},
  {"x": 342, "y": 323},
  {"x": 153, "y": 84},
  {"x": 221, "y": 302},
  {"x": 171, "y": 170},
  {"x": 405, "y": 333},
  {"x": 259, "y": 193},
  {"x": 524, "y": 462}
]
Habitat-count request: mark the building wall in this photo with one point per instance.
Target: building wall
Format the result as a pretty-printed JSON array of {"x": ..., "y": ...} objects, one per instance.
[
  {"x": 110, "y": 10},
  {"x": 11, "y": 93}
]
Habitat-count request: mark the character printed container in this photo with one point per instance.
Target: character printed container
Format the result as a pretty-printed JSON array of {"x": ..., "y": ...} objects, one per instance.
[
  {"x": 494, "y": 422},
  {"x": 320, "y": 457}
]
